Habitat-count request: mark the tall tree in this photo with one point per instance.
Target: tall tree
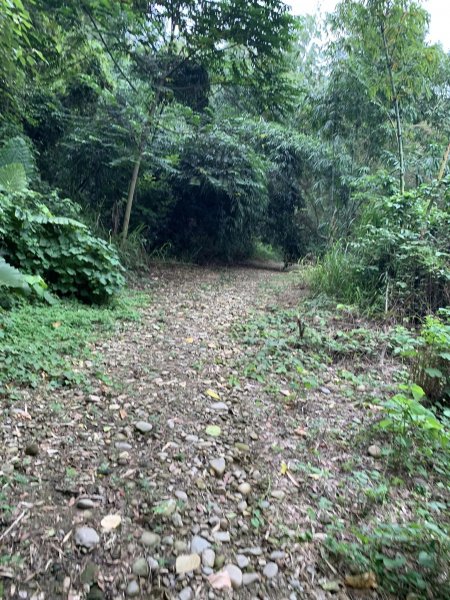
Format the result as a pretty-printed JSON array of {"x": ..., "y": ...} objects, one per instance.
[
  {"x": 383, "y": 42},
  {"x": 180, "y": 46}
]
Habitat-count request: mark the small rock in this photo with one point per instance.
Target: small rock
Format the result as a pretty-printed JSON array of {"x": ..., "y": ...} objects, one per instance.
[
  {"x": 208, "y": 557},
  {"x": 123, "y": 446},
  {"x": 150, "y": 539},
  {"x": 167, "y": 540},
  {"x": 219, "y": 561},
  {"x": 242, "y": 447},
  {"x": 218, "y": 466},
  {"x": 199, "y": 544},
  {"x": 242, "y": 561},
  {"x": 133, "y": 589},
  {"x": 140, "y": 567},
  {"x": 250, "y": 578},
  {"x": 244, "y": 488},
  {"x": 219, "y": 406},
  {"x": 271, "y": 570},
  {"x": 374, "y": 451},
  {"x": 235, "y": 576},
  {"x": 123, "y": 458},
  {"x": 87, "y": 538},
  {"x": 187, "y": 562},
  {"x": 277, "y": 555},
  {"x": 85, "y": 503},
  {"x": 255, "y": 551},
  {"x": 177, "y": 520},
  {"x": 278, "y": 494},
  {"x": 32, "y": 449},
  {"x": 186, "y": 594},
  {"x": 166, "y": 508},
  {"x": 221, "y": 536},
  {"x": 180, "y": 495},
  {"x": 143, "y": 427},
  {"x": 153, "y": 564},
  {"x": 242, "y": 506},
  {"x": 180, "y": 547}
]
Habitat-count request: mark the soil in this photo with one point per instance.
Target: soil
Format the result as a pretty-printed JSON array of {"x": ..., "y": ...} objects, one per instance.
[{"x": 79, "y": 456}]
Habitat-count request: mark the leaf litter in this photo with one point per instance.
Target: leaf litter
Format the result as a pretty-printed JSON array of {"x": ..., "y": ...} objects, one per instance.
[{"x": 161, "y": 502}]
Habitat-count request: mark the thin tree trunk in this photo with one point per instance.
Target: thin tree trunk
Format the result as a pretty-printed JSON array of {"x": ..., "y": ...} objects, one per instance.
[
  {"x": 137, "y": 165},
  {"x": 131, "y": 190},
  {"x": 398, "y": 122}
]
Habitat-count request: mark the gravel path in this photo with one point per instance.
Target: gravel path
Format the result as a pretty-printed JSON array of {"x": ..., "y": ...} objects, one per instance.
[{"x": 164, "y": 480}]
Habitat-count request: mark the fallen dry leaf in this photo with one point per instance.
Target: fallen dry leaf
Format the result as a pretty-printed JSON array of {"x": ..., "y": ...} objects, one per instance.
[
  {"x": 365, "y": 581},
  {"x": 220, "y": 581},
  {"x": 56, "y": 324},
  {"x": 189, "y": 340},
  {"x": 212, "y": 394},
  {"x": 111, "y": 522}
]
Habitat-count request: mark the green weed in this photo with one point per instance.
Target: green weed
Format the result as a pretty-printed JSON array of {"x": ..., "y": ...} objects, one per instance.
[{"x": 41, "y": 344}]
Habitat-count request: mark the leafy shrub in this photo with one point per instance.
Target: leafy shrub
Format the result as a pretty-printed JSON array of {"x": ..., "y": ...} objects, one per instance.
[
  {"x": 59, "y": 249},
  {"x": 431, "y": 361},
  {"x": 222, "y": 194},
  {"x": 399, "y": 259},
  {"x": 428, "y": 353}
]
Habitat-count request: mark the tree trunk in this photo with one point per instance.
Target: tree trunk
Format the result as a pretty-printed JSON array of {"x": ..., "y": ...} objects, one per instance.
[
  {"x": 137, "y": 165},
  {"x": 398, "y": 122},
  {"x": 131, "y": 190}
]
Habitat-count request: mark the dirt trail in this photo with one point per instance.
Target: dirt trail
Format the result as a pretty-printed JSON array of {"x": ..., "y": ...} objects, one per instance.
[{"x": 92, "y": 461}]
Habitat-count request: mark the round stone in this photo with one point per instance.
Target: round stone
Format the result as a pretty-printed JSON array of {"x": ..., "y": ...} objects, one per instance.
[
  {"x": 143, "y": 427},
  {"x": 244, "y": 488},
  {"x": 150, "y": 539},
  {"x": 278, "y": 494},
  {"x": 87, "y": 538},
  {"x": 235, "y": 576},
  {"x": 199, "y": 544},
  {"x": 250, "y": 578},
  {"x": 85, "y": 503},
  {"x": 186, "y": 594},
  {"x": 133, "y": 589},
  {"x": 208, "y": 557},
  {"x": 374, "y": 451},
  {"x": 242, "y": 561},
  {"x": 140, "y": 567},
  {"x": 271, "y": 570},
  {"x": 218, "y": 466}
]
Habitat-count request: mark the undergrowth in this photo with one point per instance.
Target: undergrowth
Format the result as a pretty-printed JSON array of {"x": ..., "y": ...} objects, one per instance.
[
  {"x": 40, "y": 344},
  {"x": 397, "y": 531}
]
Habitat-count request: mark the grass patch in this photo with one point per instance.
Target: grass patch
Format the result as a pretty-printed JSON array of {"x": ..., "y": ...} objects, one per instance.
[{"x": 40, "y": 344}]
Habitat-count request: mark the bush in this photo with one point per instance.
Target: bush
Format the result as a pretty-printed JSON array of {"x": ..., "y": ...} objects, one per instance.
[
  {"x": 431, "y": 361},
  {"x": 221, "y": 192},
  {"x": 399, "y": 260},
  {"x": 60, "y": 249}
]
